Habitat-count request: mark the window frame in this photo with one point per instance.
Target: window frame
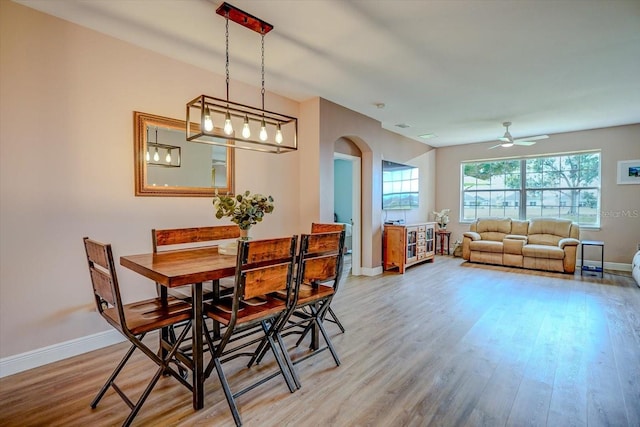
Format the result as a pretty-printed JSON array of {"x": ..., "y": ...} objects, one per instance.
[{"x": 520, "y": 195}]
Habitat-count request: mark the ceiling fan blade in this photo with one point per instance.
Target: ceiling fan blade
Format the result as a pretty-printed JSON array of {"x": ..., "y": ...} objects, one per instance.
[
  {"x": 532, "y": 138},
  {"x": 504, "y": 139},
  {"x": 524, "y": 143},
  {"x": 495, "y": 146}
]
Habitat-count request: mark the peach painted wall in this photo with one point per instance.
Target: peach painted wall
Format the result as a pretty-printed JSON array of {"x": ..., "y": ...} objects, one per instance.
[
  {"x": 620, "y": 204},
  {"x": 376, "y": 144},
  {"x": 66, "y": 168},
  {"x": 67, "y": 101}
]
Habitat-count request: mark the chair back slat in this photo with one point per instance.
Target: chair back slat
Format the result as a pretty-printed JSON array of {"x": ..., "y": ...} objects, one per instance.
[
  {"x": 326, "y": 228},
  {"x": 323, "y": 243},
  {"x": 263, "y": 267},
  {"x": 179, "y": 236},
  {"x": 320, "y": 257},
  {"x": 321, "y": 269},
  {"x": 258, "y": 251},
  {"x": 103, "y": 277},
  {"x": 266, "y": 280},
  {"x": 103, "y": 286},
  {"x": 97, "y": 253}
]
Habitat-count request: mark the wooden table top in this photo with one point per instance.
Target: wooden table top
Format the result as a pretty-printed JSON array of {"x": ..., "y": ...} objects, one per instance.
[{"x": 182, "y": 267}]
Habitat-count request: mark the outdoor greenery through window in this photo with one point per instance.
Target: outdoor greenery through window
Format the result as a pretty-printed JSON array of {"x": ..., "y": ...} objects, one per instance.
[{"x": 566, "y": 186}]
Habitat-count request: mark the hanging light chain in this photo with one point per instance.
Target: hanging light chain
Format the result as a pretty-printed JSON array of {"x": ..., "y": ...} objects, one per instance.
[
  {"x": 227, "y": 51},
  {"x": 262, "y": 51}
]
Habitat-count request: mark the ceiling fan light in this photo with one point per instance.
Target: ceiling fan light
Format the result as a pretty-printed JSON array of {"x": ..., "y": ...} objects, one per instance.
[{"x": 507, "y": 144}]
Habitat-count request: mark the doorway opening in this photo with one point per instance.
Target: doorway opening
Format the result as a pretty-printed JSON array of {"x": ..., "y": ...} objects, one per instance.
[{"x": 347, "y": 206}]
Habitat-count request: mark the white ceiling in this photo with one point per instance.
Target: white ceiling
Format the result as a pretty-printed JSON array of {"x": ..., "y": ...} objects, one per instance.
[{"x": 455, "y": 68}]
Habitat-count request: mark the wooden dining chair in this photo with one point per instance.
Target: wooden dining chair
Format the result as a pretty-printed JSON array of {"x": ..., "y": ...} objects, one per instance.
[
  {"x": 182, "y": 238},
  {"x": 134, "y": 321},
  {"x": 319, "y": 265},
  {"x": 263, "y": 293},
  {"x": 327, "y": 228}
]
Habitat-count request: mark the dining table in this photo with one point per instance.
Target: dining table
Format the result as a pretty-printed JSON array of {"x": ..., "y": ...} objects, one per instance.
[{"x": 182, "y": 267}]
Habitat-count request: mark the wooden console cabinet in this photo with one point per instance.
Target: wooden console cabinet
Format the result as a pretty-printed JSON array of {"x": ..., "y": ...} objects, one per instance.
[{"x": 406, "y": 245}]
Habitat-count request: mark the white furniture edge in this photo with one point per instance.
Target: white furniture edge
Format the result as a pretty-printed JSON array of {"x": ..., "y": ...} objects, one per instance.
[{"x": 42, "y": 356}]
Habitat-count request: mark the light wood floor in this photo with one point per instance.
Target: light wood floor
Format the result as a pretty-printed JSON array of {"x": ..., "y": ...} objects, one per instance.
[{"x": 445, "y": 344}]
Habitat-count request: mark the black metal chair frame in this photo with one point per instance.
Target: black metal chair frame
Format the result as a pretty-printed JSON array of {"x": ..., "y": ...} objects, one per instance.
[
  {"x": 311, "y": 312},
  {"x": 332, "y": 316},
  {"x": 236, "y": 334},
  {"x": 108, "y": 298}
]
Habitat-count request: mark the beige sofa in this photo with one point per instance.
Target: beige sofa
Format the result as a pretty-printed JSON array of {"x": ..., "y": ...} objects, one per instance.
[{"x": 540, "y": 243}]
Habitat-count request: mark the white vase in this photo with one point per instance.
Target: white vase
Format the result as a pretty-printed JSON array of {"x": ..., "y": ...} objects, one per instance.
[{"x": 244, "y": 234}]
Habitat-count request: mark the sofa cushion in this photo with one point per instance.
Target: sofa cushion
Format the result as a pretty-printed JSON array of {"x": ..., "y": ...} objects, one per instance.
[
  {"x": 544, "y": 239},
  {"x": 513, "y": 246},
  {"x": 486, "y": 246},
  {"x": 492, "y": 236},
  {"x": 493, "y": 228},
  {"x": 542, "y": 251},
  {"x": 500, "y": 225},
  {"x": 548, "y": 231},
  {"x": 557, "y": 227},
  {"x": 519, "y": 227}
]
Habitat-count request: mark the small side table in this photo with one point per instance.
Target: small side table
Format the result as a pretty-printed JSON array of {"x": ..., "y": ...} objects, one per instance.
[
  {"x": 593, "y": 268},
  {"x": 442, "y": 235}
]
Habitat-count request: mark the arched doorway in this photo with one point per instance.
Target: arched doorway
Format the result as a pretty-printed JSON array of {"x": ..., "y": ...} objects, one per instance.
[
  {"x": 347, "y": 205},
  {"x": 347, "y": 199}
]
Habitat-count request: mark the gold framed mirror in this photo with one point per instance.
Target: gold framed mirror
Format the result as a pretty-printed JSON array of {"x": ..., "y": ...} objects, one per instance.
[{"x": 166, "y": 164}]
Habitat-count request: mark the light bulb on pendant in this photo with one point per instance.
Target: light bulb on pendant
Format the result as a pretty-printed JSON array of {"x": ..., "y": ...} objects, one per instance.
[
  {"x": 208, "y": 123},
  {"x": 156, "y": 155},
  {"x": 279, "y": 137},
  {"x": 168, "y": 158},
  {"x": 246, "y": 132},
  {"x": 148, "y": 156},
  {"x": 228, "y": 127},
  {"x": 263, "y": 131}
]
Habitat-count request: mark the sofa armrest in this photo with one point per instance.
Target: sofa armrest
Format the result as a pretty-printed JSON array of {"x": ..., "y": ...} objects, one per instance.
[
  {"x": 467, "y": 238},
  {"x": 516, "y": 237},
  {"x": 568, "y": 241},
  {"x": 472, "y": 235}
]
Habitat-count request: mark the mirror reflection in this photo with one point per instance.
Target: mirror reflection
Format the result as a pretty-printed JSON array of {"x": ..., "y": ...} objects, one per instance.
[{"x": 167, "y": 164}]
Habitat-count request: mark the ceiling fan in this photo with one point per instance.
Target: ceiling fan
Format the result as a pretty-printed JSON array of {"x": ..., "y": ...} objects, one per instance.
[{"x": 508, "y": 141}]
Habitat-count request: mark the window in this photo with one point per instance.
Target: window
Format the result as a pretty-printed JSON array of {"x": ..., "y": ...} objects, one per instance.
[
  {"x": 399, "y": 186},
  {"x": 566, "y": 186}
]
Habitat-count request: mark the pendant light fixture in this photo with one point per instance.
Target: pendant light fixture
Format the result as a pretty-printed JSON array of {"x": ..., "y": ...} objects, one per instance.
[
  {"x": 226, "y": 123},
  {"x": 163, "y": 154}
]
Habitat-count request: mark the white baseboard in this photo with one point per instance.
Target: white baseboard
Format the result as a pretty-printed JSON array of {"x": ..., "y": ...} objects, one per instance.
[
  {"x": 617, "y": 266},
  {"x": 368, "y": 271},
  {"x": 53, "y": 353}
]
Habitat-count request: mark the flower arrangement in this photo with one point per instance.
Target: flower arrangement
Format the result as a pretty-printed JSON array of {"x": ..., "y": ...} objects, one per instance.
[
  {"x": 442, "y": 217},
  {"x": 243, "y": 209}
]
